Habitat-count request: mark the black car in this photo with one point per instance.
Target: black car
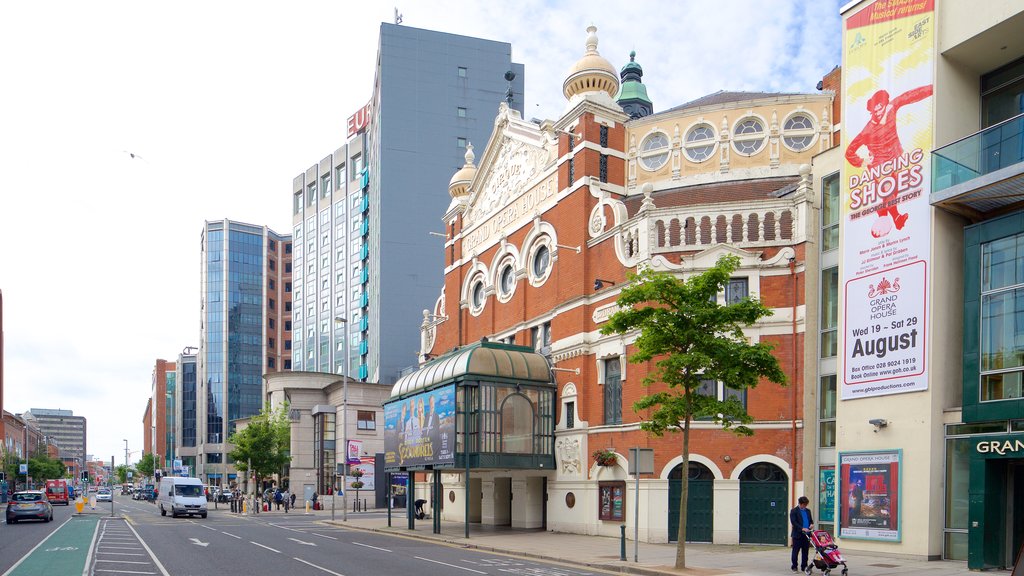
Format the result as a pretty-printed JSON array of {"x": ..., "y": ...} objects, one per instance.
[{"x": 29, "y": 505}]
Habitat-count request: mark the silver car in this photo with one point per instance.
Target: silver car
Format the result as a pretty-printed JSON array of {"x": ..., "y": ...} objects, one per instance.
[
  {"x": 29, "y": 505},
  {"x": 104, "y": 495}
]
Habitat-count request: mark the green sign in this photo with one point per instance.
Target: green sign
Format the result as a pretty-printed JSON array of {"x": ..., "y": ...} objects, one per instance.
[{"x": 826, "y": 494}]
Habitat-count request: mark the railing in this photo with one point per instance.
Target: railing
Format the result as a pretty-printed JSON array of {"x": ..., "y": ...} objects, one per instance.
[
  {"x": 768, "y": 225},
  {"x": 981, "y": 153}
]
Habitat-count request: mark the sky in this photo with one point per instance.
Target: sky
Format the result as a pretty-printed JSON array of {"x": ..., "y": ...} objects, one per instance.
[{"x": 222, "y": 104}]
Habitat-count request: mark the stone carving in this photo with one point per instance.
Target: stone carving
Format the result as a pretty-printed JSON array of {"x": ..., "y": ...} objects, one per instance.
[
  {"x": 516, "y": 165},
  {"x": 569, "y": 453}
]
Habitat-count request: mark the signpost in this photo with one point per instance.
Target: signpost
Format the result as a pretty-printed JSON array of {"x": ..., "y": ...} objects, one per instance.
[{"x": 641, "y": 461}]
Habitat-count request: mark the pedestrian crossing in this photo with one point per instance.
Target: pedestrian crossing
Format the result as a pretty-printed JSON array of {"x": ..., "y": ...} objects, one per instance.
[{"x": 120, "y": 550}]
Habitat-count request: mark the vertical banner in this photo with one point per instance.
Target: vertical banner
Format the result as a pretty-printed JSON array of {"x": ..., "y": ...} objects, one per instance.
[
  {"x": 354, "y": 449},
  {"x": 826, "y": 494},
  {"x": 870, "y": 495},
  {"x": 888, "y": 60}
]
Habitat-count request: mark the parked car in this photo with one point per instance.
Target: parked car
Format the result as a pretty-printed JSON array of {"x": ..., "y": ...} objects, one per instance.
[
  {"x": 104, "y": 495},
  {"x": 29, "y": 504}
]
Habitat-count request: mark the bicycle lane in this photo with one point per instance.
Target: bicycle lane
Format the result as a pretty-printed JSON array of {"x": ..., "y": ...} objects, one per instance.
[{"x": 65, "y": 551}]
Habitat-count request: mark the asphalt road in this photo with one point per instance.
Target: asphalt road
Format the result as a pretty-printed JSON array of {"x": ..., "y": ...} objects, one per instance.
[
  {"x": 16, "y": 540},
  {"x": 290, "y": 545}
]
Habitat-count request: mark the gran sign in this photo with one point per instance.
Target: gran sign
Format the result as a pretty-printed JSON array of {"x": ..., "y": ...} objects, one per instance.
[{"x": 1001, "y": 447}]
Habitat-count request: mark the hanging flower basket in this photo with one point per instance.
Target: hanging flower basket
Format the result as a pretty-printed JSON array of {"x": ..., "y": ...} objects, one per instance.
[
  {"x": 357, "y": 485},
  {"x": 605, "y": 457}
]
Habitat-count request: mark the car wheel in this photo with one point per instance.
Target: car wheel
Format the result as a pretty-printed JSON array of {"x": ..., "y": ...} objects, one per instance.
[
  {"x": 10, "y": 521},
  {"x": 203, "y": 515},
  {"x": 162, "y": 511}
]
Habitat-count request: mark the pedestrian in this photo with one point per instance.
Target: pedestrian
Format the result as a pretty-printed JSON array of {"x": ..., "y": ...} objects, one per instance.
[
  {"x": 802, "y": 523},
  {"x": 278, "y": 498},
  {"x": 286, "y": 499},
  {"x": 293, "y": 499}
]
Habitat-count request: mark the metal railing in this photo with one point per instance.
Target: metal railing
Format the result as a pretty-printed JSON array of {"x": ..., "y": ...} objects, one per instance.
[{"x": 981, "y": 153}]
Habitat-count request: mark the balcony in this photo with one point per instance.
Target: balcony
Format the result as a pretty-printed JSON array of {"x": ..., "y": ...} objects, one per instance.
[{"x": 981, "y": 175}]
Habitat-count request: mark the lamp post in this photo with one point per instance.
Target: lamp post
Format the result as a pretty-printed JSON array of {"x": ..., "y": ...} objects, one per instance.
[
  {"x": 126, "y": 459},
  {"x": 344, "y": 416}
]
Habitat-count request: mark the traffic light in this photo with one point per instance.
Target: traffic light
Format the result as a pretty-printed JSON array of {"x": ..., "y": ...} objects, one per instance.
[{"x": 85, "y": 475}]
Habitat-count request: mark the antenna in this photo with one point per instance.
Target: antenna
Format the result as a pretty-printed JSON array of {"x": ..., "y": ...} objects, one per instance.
[
  {"x": 398, "y": 17},
  {"x": 509, "y": 76}
]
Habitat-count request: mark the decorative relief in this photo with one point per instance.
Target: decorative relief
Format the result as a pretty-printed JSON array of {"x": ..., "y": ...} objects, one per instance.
[
  {"x": 603, "y": 313},
  {"x": 515, "y": 166},
  {"x": 569, "y": 455},
  {"x": 568, "y": 353}
]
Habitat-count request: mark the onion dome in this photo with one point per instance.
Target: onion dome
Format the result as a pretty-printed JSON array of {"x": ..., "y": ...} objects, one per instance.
[
  {"x": 459, "y": 184},
  {"x": 592, "y": 73},
  {"x": 633, "y": 96}
]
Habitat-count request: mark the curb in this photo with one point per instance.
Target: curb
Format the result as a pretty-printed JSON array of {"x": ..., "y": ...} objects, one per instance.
[{"x": 619, "y": 568}]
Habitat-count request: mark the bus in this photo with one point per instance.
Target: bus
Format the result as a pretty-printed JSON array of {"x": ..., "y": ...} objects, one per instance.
[{"x": 57, "y": 491}]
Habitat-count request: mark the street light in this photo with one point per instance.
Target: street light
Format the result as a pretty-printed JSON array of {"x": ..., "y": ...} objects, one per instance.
[
  {"x": 344, "y": 418},
  {"x": 126, "y": 459}
]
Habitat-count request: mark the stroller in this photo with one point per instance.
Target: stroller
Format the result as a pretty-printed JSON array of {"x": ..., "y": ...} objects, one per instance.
[{"x": 826, "y": 554}]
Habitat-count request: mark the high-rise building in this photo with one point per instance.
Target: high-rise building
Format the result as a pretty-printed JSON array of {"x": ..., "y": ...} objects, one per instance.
[
  {"x": 245, "y": 331},
  {"x": 158, "y": 420},
  {"x": 63, "y": 427},
  {"x": 185, "y": 413},
  {"x": 365, "y": 261}
]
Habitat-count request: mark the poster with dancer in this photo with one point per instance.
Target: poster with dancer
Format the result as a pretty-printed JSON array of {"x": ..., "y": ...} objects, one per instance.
[
  {"x": 888, "y": 78},
  {"x": 869, "y": 495}
]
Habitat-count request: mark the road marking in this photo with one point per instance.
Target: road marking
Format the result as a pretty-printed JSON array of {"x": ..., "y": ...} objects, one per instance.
[
  {"x": 150, "y": 552},
  {"x": 323, "y": 536},
  {"x": 318, "y": 567},
  {"x": 447, "y": 564},
  {"x": 122, "y": 571},
  {"x": 123, "y": 561},
  {"x": 111, "y": 547},
  {"x": 230, "y": 534},
  {"x": 29, "y": 553},
  {"x": 302, "y": 542},
  {"x": 207, "y": 527},
  {"x": 120, "y": 554},
  {"x": 267, "y": 547},
  {"x": 283, "y": 527},
  {"x": 374, "y": 547},
  {"x": 197, "y": 542}
]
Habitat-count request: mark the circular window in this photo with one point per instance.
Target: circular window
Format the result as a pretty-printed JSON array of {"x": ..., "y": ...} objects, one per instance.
[
  {"x": 541, "y": 262},
  {"x": 700, "y": 142},
  {"x": 654, "y": 151},
  {"x": 798, "y": 133},
  {"x": 478, "y": 295},
  {"x": 748, "y": 138},
  {"x": 507, "y": 281}
]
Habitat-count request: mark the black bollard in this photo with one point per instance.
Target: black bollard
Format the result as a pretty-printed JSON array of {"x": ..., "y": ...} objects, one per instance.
[{"x": 622, "y": 542}]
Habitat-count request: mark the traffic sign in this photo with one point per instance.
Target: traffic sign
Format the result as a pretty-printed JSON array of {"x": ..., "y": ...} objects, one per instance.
[{"x": 22, "y": 468}]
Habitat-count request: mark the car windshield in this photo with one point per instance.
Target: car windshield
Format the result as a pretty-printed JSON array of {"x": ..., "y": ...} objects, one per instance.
[
  {"x": 56, "y": 489},
  {"x": 27, "y": 497},
  {"x": 188, "y": 490},
  {"x": 104, "y": 491}
]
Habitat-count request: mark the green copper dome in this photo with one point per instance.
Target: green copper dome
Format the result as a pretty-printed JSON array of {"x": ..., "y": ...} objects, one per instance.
[{"x": 632, "y": 92}]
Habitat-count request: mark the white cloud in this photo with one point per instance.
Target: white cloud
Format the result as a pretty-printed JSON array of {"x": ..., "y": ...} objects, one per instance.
[{"x": 226, "y": 102}]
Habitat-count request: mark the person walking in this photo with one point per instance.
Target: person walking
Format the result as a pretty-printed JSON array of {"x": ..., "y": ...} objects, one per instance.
[
  {"x": 801, "y": 522},
  {"x": 293, "y": 500},
  {"x": 286, "y": 499}
]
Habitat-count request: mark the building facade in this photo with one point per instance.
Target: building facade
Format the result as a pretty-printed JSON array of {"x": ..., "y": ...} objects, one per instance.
[
  {"x": 362, "y": 205},
  {"x": 929, "y": 461},
  {"x": 158, "y": 439},
  {"x": 185, "y": 409},
  {"x": 64, "y": 428},
  {"x": 246, "y": 318},
  {"x": 541, "y": 234}
]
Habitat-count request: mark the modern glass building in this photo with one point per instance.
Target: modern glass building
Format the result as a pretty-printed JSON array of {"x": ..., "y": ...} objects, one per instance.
[
  {"x": 365, "y": 263},
  {"x": 245, "y": 332},
  {"x": 185, "y": 409}
]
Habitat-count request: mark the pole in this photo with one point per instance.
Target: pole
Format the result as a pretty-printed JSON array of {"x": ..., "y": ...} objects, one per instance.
[
  {"x": 334, "y": 486},
  {"x": 126, "y": 459},
  {"x": 636, "y": 517},
  {"x": 344, "y": 421},
  {"x": 111, "y": 487}
]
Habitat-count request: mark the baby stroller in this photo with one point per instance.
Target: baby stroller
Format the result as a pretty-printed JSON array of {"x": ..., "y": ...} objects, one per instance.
[{"x": 826, "y": 553}]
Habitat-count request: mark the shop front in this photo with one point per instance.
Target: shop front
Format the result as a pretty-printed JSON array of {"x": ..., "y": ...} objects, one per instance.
[{"x": 996, "y": 502}]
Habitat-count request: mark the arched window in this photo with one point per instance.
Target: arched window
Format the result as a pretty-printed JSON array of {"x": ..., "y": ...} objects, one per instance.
[{"x": 517, "y": 425}]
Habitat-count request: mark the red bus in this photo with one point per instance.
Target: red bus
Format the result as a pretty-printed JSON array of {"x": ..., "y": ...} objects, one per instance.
[{"x": 57, "y": 492}]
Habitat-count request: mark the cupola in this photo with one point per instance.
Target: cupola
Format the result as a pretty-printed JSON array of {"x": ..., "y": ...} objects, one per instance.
[
  {"x": 633, "y": 95},
  {"x": 592, "y": 73},
  {"x": 459, "y": 185}
]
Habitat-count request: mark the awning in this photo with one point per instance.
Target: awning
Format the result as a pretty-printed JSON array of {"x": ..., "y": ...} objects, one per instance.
[{"x": 487, "y": 360}]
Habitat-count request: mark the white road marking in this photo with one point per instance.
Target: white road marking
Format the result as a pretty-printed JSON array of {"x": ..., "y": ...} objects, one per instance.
[
  {"x": 29, "y": 553},
  {"x": 267, "y": 547},
  {"x": 318, "y": 567},
  {"x": 207, "y": 527},
  {"x": 323, "y": 536},
  {"x": 283, "y": 527},
  {"x": 368, "y": 546},
  {"x": 302, "y": 542},
  {"x": 450, "y": 565},
  {"x": 198, "y": 542},
  {"x": 123, "y": 561},
  {"x": 230, "y": 534},
  {"x": 152, "y": 556},
  {"x": 122, "y": 571}
]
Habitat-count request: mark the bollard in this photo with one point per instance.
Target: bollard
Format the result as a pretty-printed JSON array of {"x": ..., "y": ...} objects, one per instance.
[
  {"x": 307, "y": 506},
  {"x": 622, "y": 542}
]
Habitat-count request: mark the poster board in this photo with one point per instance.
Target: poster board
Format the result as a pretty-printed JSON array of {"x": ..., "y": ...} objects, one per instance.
[
  {"x": 869, "y": 495},
  {"x": 612, "y": 500}
]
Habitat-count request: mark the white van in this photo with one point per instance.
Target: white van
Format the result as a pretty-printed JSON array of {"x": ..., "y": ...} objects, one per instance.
[{"x": 182, "y": 496}]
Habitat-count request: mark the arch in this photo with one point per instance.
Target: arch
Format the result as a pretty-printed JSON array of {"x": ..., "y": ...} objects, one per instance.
[
  {"x": 721, "y": 230},
  {"x": 769, "y": 226},
  {"x": 786, "y": 225},
  {"x": 541, "y": 234},
  {"x": 513, "y": 411},
  {"x": 756, "y": 458},
  {"x": 736, "y": 228},
  {"x": 752, "y": 227},
  {"x": 703, "y": 460},
  {"x": 660, "y": 227},
  {"x": 507, "y": 255},
  {"x": 477, "y": 273}
]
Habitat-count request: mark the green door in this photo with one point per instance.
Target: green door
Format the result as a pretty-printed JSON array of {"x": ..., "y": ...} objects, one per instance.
[
  {"x": 700, "y": 505},
  {"x": 764, "y": 497}
]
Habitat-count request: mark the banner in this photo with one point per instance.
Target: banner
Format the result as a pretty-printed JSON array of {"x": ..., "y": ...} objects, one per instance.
[
  {"x": 870, "y": 495},
  {"x": 367, "y": 467},
  {"x": 888, "y": 57},
  {"x": 420, "y": 430},
  {"x": 827, "y": 494},
  {"x": 355, "y": 448}
]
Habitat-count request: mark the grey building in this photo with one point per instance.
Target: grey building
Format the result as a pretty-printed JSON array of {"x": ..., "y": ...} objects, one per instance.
[
  {"x": 66, "y": 429},
  {"x": 185, "y": 412},
  {"x": 365, "y": 263}
]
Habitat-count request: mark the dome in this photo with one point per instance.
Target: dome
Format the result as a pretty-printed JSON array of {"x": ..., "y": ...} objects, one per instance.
[
  {"x": 592, "y": 73},
  {"x": 459, "y": 184}
]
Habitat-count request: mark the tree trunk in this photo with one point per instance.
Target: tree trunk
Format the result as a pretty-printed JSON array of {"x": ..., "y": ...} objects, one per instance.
[{"x": 684, "y": 497}]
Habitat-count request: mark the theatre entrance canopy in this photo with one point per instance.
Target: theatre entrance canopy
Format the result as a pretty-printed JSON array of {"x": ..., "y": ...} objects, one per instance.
[{"x": 481, "y": 406}]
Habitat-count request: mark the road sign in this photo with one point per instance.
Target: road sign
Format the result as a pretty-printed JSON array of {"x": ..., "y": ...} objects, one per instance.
[{"x": 22, "y": 468}]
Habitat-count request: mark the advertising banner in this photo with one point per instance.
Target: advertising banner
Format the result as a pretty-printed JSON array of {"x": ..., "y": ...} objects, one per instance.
[
  {"x": 870, "y": 495},
  {"x": 827, "y": 494},
  {"x": 888, "y": 76},
  {"x": 420, "y": 430},
  {"x": 355, "y": 448}
]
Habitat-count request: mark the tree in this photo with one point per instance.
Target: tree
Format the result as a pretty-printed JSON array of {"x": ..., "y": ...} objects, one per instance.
[
  {"x": 42, "y": 467},
  {"x": 693, "y": 340},
  {"x": 122, "y": 473},
  {"x": 263, "y": 445},
  {"x": 146, "y": 465}
]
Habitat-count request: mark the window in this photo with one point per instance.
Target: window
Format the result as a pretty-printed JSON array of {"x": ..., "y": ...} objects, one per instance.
[
  {"x": 736, "y": 290},
  {"x": 829, "y": 312},
  {"x": 477, "y": 297},
  {"x": 830, "y": 212},
  {"x": 272, "y": 264},
  {"x": 366, "y": 420},
  {"x": 604, "y": 136},
  {"x": 271, "y": 303},
  {"x": 288, "y": 325},
  {"x": 288, "y": 265},
  {"x": 462, "y": 71},
  {"x": 700, "y": 142},
  {"x": 461, "y": 112},
  {"x": 287, "y": 287},
  {"x": 287, "y": 306},
  {"x": 798, "y": 132},
  {"x": 297, "y": 203},
  {"x": 460, "y": 142},
  {"x": 339, "y": 177},
  {"x": 572, "y": 171},
  {"x": 310, "y": 194},
  {"x": 325, "y": 185},
  {"x": 612, "y": 391},
  {"x": 542, "y": 337},
  {"x": 270, "y": 342},
  {"x": 1002, "y": 319},
  {"x": 603, "y": 168},
  {"x": 654, "y": 151},
  {"x": 288, "y": 248},
  {"x": 570, "y": 414},
  {"x": 288, "y": 363},
  {"x": 272, "y": 323},
  {"x": 508, "y": 280},
  {"x": 541, "y": 263},
  {"x": 748, "y": 136},
  {"x": 271, "y": 284},
  {"x": 1002, "y": 92},
  {"x": 721, "y": 392},
  {"x": 827, "y": 412},
  {"x": 517, "y": 425}
]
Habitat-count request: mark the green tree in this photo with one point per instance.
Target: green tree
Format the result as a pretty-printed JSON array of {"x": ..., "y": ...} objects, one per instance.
[
  {"x": 693, "y": 339},
  {"x": 263, "y": 445},
  {"x": 121, "y": 473},
  {"x": 146, "y": 465},
  {"x": 9, "y": 466},
  {"x": 42, "y": 467}
]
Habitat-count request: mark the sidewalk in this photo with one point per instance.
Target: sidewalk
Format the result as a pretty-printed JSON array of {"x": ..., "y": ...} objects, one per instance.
[{"x": 654, "y": 559}]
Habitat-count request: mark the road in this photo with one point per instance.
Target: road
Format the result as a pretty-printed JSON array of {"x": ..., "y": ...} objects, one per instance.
[
  {"x": 141, "y": 542},
  {"x": 16, "y": 540}
]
